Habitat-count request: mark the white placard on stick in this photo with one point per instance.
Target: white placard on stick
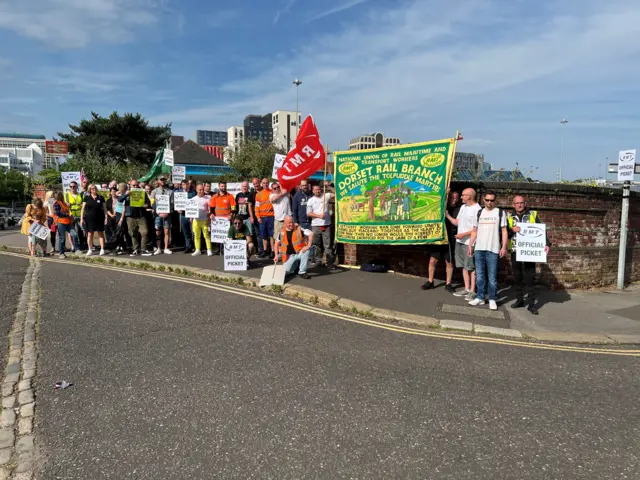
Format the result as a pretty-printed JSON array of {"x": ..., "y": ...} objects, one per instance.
[
  {"x": 39, "y": 230},
  {"x": 191, "y": 209},
  {"x": 180, "y": 200},
  {"x": 163, "y": 203},
  {"x": 235, "y": 255},
  {"x": 219, "y": 230},
  {"x": 530, "y": 242},
  {"x": 234, "y": 188},
  {"x": 67, "y": 178},
  {"x": 278, "y": 160},
  {"x": 178, "y": 174},
  {"x": 168, "y": 157},
  {"x": 626, "y": 165}
]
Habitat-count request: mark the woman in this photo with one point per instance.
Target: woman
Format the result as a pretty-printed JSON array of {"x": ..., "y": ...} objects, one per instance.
[
  {"x": 120, "y": 218},
  {"x": 49, "y": 200},
  {"x": 200, "y": 225},
  {"x": 94, "y": 217},
  {"x": 35, "y": 213},
  {"x": 64, "y": 224},
  {"x": 112, "y": 223}
]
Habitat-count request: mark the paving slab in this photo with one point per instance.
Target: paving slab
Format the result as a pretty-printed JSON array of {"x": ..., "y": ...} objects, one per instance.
[{"x": 457, "y": 325}]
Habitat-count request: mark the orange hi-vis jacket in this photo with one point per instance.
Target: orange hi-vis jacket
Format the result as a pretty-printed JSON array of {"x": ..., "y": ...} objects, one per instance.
[
  {"x": 63, "y": 220},
  {"x": 222, "y": 205},
  {"x": 297, "y": 241},
  {"x": 264, "y": 207}
]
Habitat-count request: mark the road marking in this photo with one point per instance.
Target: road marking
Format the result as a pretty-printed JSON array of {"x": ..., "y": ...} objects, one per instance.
[{"x": 346, "y": 317}]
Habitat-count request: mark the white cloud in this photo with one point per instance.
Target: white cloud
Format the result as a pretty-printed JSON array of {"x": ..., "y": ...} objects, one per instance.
[
  {"x": 77, "y": 23},
  {"x": 337, "y": 9},
  {"x": 283, "y": 11},
  {"x": 223, "y": 17}
]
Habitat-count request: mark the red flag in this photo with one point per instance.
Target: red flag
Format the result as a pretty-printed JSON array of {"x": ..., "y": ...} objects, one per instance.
[
  {"x": 83, "y": 177},
  {"x": 460, "y": 137},
  {"x": 304, "y": 159}
]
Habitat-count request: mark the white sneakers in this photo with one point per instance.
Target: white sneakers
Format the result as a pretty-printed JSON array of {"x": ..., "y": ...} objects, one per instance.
[
  {"x": 196, "y": 253},
  {"x": 102, "y": 252},
  {"x": 167, "y": 251},
  {"x": 493, "y": 305},
  {"x": 157, "y": 251},
  {"x": 477, "y": 302},
  {"x": 89, "y": 252},
  {"x": 209, "y": 253}
]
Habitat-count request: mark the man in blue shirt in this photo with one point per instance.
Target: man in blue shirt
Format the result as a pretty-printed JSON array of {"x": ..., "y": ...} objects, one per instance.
[
  {"x": 185, "y": 223},
  {"x": 300, "y": 206}
]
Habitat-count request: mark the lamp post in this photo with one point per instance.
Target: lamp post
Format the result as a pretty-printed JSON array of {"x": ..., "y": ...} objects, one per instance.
[
  {"x": 564, "y": 121},
  {"x": 297, "y": 83}
]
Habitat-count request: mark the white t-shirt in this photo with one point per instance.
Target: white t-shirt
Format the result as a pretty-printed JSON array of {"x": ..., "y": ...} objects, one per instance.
[
  {"x": 489, "y": 237},
  {"x": 281, "y": 206},
  {"x": 203, "y": 207},
  {"x": 467, "y": 218},
  {"x": 314, "y": 205}
]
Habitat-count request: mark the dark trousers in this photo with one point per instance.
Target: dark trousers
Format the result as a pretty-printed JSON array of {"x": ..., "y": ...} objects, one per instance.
[
  {"x": 185, "y": 225},
  {"x": 256, "y": 232},
  {"x": 53, "y": 235},
  {"x": 524, "y": 274},
  {"x": 82, "y": 237}
]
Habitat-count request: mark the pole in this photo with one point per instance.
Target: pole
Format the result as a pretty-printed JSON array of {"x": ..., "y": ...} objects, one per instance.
[
  {"x": 564, "y": 121},
  {"x": 297, "y": 110},
  {"x": 624, "y": 219}
]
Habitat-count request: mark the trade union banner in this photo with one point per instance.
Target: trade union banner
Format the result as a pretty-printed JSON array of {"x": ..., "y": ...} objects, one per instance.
[{"x": 393, "y": 195}]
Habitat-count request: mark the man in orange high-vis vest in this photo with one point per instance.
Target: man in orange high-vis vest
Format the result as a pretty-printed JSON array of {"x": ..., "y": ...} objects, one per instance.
[
  {"x": 265, "y": 215},
  {"x": 295, "y": 242}
]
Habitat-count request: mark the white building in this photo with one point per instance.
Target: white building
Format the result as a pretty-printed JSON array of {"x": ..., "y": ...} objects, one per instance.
[
  {"x": 235, "y": 135},
  {"x": 373, "y": 140},
  {"x": 285, "y": 128},
  {"x": 28, "y": 160},
  {"x": 25, "y": 140}
]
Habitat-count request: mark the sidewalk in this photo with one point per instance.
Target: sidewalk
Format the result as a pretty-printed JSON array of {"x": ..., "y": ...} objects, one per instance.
[{"x": 590, "y": 317}]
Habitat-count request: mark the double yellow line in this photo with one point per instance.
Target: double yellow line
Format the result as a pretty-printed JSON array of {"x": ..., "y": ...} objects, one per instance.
[{"x": 257, "y": 295}]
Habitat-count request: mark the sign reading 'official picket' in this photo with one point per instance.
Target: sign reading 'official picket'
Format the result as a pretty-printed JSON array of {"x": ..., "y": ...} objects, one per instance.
[
  {"x": 530, "y": 243},
  {"x": 626, "y": 165}
]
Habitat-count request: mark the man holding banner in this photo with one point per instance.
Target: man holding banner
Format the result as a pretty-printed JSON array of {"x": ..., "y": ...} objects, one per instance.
[{"x": 163, "y": 198}]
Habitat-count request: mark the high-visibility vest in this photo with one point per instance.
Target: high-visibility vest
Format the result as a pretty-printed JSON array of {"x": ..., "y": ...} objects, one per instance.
[
  {"x": 529, "y": 216},
  {"x": 222, "y": 205},
  {"x": 297, "y": 241},
  {"x": 75, "y": 204},
  {"x": 62, "y": 220},
  {"x": 264, "y": 207}
]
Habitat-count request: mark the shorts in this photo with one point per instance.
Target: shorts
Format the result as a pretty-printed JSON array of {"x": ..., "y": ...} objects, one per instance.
[
  {"x": 462, "y": 259},
  {"x": 249, "y": 226},
  {"x": 163, "y": 223},
  {"x": 278, "y": 226},
  {"x": 266, "y": 227},
  {"x": 439, "y": 252}
]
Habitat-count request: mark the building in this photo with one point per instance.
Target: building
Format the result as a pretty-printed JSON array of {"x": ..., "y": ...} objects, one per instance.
[
  {"x": 373, "y": 140},
  {"x": 285, "y": 128},
  {"x": 469, "y": 161},
  {"x": 211, "y": 137},
  {"x": 29, "y": 160},
  {"x": 176, "y": 141},
  {"x": 235, "y": 136},
  {"x": 259, "y": 127},
  {"x": 25, "y": 140},
  {"x": 215, "y": 150}
]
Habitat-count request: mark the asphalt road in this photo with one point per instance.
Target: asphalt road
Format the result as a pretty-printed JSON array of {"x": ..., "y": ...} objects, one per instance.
[{"x": 179, "y": 381}]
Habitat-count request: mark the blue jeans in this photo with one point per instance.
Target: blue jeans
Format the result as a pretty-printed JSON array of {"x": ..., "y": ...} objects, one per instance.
[
  {"x": 291, "y": 264},
  {"x": 62, "y": 238},
  {"x": 486, "y": 264},
  {"x": 256, "y": 231},
  {"x": 185, "y": 224}
]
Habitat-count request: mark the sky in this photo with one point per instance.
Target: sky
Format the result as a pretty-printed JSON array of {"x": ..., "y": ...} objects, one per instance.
[{"x": 504, "y": 73}]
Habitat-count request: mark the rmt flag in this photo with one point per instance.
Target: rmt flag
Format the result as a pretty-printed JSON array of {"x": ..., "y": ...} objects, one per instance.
[{"x": 304, "y": 159}]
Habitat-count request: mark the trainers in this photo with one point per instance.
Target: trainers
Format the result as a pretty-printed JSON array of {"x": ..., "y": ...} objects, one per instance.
[
  {"x": 305, "y": 276},
  {"x": 147, "y": 253},
  {"x": 63, "y": 256},
  {"x": 450, "y": 288},
  {"x": 476, "y": 301},
  {"x": 167, "y": 251},
  {"x": 532, "y": 309},
  {"x": 470, "y": 296},
  {"x": 157, "y": 251},
  {"x": 428, "y": 285},
  {"x": 196, "y": 253},
  {"x": 519, "y": 303},
  {"x": 210, "y": 253},
  {"x": 101, "y": 251},
  {"x": 89, "y": 252},
  {"x": 135, "y": 253},
  {"x": 493, "y": 305},
  {"x": 462, "y": 293}
]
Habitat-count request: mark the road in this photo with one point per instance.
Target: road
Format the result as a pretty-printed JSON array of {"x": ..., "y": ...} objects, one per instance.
[{"x": 180, "y": 381}]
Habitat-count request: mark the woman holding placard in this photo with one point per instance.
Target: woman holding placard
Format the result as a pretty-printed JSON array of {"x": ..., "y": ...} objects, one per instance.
[
  {"x": 35, "y": 213},
  {"x": 94, "y": 217}
]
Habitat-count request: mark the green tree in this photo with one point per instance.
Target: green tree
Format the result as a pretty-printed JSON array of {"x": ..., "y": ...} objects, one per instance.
[
  {"x": 116, "y": 139},
  {"x": 253, "y": 158},
  {"x": 14, "y": 185}
]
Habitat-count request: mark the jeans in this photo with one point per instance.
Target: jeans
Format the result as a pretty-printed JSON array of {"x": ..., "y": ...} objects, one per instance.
[
  {"x": 136, "y": 225},
  {"x": 322, "y": 241},
  {"x": 524, "y": 274},
  {"x": 185, "y": 224},
  {"x": 62, "y": 237},
  {"x": 486, "y": 264},
  {"x": 292, "y": 262},
  {"x": 82, "y": 236},
  {"x": 256, "y": 232}
]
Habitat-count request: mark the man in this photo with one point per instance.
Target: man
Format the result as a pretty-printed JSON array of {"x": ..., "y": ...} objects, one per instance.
[
  {"x": 221, "y": 205},
  {"x": 295, "y": 242},
  {"x": 185, "y": 223},
  {"x": 256, "y": 187},
  {"x": 244, "y": 202},
  {"x": 436, "y": 252},
  {"x": 255, "y": 184},
  {"x": 265, "y": 214},
  {"x": 113, "y": 184},
  {"x": 136, "y": 221},
  {"x": 280, "y": 200},
  {"x": 489, "y": 237},
  {"x": 73, "y": 199},
  {"x": 162, "y": 221},
  {"x": 318, "y": 211},
  {"x": 300, "y": 205},
  {"x": 240, "y": 231},
  {"x": 524, "y": 272},
  {"x": 467, "y": 217},
  {"x": 207, "y": 189}
]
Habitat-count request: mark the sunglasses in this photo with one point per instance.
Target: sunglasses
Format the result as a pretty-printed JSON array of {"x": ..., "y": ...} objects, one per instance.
[
  {"x": 237, "y": 223},
  {"x": 490, "y": 200}
]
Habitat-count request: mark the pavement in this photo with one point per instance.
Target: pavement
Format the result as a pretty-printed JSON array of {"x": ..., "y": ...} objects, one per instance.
[
  {"x": 574, "y": 316},
  {"x": 12, "y": 272},
  {"x": 181, "y": 381}
]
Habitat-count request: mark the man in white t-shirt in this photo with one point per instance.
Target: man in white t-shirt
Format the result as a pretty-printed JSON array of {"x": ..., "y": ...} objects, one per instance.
[
  {"x": 490, "y": 240},
  {"x": 318, "y": 212},
  {"x": 281, "y": 207},
  {"x": 467, "y": 216}
]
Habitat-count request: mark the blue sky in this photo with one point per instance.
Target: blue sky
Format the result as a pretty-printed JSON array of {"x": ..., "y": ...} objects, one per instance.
[{"x": 504, "y": 75}]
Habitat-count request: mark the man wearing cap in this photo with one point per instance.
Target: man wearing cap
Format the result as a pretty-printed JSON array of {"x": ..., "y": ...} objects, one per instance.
[{"x": 162, "y": 221}]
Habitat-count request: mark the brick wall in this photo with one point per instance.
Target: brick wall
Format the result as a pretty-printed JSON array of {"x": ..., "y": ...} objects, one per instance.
[{"x": 583, "y": 225}]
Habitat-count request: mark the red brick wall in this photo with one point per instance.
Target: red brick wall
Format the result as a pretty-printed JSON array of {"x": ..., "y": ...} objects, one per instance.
[{"x": 583, "y": 225}]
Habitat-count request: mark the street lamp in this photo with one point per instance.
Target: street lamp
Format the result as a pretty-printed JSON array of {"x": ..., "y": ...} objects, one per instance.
[
  {"x": 297, "y": 83},
  {"x": 564, "y": 121}
]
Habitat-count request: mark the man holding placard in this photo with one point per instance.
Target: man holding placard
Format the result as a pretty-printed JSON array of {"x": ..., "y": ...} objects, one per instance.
[
  {"x": 136, "y": 203},
  {"x": 180, "y": 200},
  {"x": 524, "y": 272},
  {"x": 163, "y": 197}
]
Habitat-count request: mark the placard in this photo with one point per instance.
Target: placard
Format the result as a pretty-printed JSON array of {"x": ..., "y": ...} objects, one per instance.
[
  {"x": 530, "y": 242},
  {"x": 234, "y": 188},
  {"x": 180, "y": 200},
  {"x": 220, "y": 230},
  {"x": 67, "y": 178},
  {"x": 191, "y": 209},
  {"x": 39, "y": 231},
  {"x": 235, "y": 255},
  {"x": 168, "y": 157},
  {"x": 278, "y": 160},
  {"x": 626, "y": 165},
  {"x": 163, "y": 203},
  {"x": 106, "y": 194},
  {"x": 136, "y": 197},
  {"x": 178, "y": 174}
]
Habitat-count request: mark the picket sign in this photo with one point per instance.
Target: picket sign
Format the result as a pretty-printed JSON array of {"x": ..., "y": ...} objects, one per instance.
[
  {"x": 235, "y": 255},
  {"x": 180, "y": 200},
  {"x": 530, "y": 243},
  {"x": 178, "y": 174},
  {"x": 219, "y": 230},
  {"x": 168, "y": 157},
  {"x": 191, "y": 209},
  {"x": 163, "y": 203},
  {"x": 67, "y": 178},
  {"x": 39, "y": 231}
]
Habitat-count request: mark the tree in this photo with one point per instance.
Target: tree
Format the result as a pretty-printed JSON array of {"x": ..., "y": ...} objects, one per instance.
[
  {"x": 120, "y": 140},
  {"x": 13, "y": 184},
  {"x": 253, "y": 158}
]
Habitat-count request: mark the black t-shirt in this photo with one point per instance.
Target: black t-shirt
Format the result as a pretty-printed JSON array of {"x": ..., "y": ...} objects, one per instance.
[
  {"x": 242, "y": 201},
  {"x": 452, "y": 230},
  {"x": 94, "y": 208},
  {"x": 290, "y": 249}
]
